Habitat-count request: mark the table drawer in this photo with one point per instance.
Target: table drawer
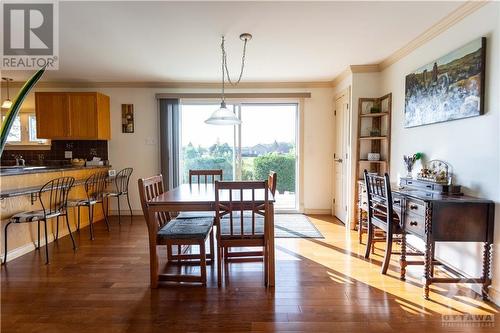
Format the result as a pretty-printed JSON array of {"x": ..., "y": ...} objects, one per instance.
[
  {"x": 415, "y": 207},
  {"x": 415, "y": 224},
  {"x": 419, "y": 184}
]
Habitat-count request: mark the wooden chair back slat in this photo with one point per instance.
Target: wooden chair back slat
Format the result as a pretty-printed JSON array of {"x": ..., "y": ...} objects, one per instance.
[
  {"x": 241, "y": 205},
  {"x": 150, "y": 188},
  {"x": 207, "y": 175},
  {"x": 272, "y": 181},
  {"x": 379, "y": 196}
]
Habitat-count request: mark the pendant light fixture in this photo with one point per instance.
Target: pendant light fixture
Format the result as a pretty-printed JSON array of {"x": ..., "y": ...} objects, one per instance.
[
  {"x": 224, "y": 116},
  {"x": 7, "y": 103}
]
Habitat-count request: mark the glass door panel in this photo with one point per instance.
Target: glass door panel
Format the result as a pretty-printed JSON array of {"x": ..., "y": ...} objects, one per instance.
[
  {"x": 205, "y": 146},
  {"x": 269, "y": 143}
]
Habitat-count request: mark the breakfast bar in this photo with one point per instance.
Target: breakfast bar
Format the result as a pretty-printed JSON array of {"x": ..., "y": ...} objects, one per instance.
[{"x": 19, "y": 191}]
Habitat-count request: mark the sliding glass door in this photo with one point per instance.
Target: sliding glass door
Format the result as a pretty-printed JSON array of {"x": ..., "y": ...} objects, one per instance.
[{"x": 265, "y": 141}]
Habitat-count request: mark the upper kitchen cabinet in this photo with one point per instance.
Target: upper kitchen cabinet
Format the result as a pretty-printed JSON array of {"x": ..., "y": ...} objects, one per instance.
[{"x": 72, "y": 115}]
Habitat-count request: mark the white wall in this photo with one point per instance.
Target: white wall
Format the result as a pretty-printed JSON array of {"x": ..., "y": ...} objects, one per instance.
[
  {"x": 470, "y": 145},
  {"x": 131, "y": 150}
]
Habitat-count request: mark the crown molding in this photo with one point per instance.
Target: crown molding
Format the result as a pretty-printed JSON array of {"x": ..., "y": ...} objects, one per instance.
[
  {"x": 372, "y": 68},
  {"x": 341, "y": 77},
  {"x": 444, "y": 24},
  {"x": 176, "y": 85}
]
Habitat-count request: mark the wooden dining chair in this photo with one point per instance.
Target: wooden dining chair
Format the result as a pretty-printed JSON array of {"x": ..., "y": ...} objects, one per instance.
[
  {"x": 381, "y": 215},
  {"x": 177, "y": 232},
  {"x": 241, "y": 223},
  {"x": 207, "y": 176},
  {"x": 272, "y": 181}
]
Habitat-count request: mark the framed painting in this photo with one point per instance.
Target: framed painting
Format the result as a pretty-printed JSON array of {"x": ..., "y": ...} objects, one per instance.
[
  {"x": 127, "y": 118},
  {"x": 449, "y": 88}
]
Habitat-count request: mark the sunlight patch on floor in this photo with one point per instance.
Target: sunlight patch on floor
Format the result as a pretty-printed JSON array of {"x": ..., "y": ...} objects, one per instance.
[{"x": 343, "y": 258}]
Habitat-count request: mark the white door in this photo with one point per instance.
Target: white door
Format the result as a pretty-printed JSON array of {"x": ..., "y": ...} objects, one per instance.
[{"x": 341, "y": 114}]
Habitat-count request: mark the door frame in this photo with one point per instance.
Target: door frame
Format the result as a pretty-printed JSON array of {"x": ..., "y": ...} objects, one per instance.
[{"x": 346, "y": 159}]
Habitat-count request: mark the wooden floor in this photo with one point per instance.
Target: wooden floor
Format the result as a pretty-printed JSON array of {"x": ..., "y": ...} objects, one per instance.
[{"x": 322, "y": 285}]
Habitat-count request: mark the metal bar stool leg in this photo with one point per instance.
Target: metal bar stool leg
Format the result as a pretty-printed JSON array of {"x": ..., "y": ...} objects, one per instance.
[
  {"x": 105, "y": 215},
  {"x": 46, "y": 242},
  {"x": 57, "y": 228},
  {"x": 5, "y": 243},
  {"x": 129, "y": 207},
  {"x": 38, "y": 234},
  {"x": 78, "y": 228},
  {"x": 91, "y": 220},
  {"x": 119, "y": 211},
  {"x": 70, "y": 232}
]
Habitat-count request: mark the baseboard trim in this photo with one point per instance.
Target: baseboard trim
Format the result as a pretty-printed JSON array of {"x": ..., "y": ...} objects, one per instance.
[
  {"x": 317, "y": 211},
  {"x": 22, "y": 250}
]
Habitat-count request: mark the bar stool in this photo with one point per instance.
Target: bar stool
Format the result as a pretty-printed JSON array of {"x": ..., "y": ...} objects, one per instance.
[
  {"x": 94, "y": 188},
  {"x": 53, "y": 198},
  {"x": 122, "y": 179}
]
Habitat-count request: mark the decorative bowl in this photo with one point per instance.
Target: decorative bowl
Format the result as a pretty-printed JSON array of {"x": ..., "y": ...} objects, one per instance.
[
  {"x": 373, "y": 156},
  {"x": 78, "y": 162}
]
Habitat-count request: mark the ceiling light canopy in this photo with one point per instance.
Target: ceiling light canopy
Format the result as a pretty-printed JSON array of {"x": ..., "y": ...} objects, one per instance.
[{"x": 224, "y": 116}]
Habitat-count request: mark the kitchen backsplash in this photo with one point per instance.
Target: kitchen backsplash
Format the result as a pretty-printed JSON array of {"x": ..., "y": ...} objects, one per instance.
[{"x": 81, "y": 149}]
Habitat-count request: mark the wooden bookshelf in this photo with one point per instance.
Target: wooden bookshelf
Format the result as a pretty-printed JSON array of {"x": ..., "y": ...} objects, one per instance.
[{"x": 374, "y": 136}]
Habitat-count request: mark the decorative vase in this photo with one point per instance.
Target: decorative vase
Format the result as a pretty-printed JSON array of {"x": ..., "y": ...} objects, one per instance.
[{"x": 409, "y": 170}]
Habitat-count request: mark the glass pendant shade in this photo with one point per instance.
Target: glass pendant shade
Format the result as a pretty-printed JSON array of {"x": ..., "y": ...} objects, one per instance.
[
  {"x": 223, "y": 116},
  {"x": 6, "y": 104}
]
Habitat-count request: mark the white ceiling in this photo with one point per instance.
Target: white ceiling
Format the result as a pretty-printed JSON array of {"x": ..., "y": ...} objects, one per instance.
[{"x": 180, "y": 41}]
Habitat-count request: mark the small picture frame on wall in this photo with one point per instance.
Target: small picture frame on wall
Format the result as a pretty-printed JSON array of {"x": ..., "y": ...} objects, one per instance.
[{"x": 127, "y": 118}]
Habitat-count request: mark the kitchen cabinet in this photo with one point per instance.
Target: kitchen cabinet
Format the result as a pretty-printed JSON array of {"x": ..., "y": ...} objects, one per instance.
[{"x": 72, "y": 115}]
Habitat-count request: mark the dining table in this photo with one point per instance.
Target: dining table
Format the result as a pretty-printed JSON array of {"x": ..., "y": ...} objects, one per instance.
[{"x": 201, "y": 197}]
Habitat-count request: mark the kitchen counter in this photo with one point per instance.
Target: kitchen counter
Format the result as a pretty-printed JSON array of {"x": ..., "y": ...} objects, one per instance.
[
  {"x": 8, "y": 192},
  {"x": 20, "y": 193},
  {"x": 20, "y": 170}
]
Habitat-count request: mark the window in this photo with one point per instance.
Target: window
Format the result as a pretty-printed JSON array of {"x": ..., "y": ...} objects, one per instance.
[
  {"x": 15, "y": 130},
  {"x": 32, "y": 130},
  {"x": 265, "y": 141},
  {"x": 23, "y": 133}
]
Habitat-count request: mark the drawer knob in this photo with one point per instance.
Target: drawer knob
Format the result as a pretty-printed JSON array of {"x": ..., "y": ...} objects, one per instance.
[
  {"x": 413, "y": 223},
  {"x": 397, "y": 201},
  {"x": 413, "y": 207},
  {"x": 428, "y": 186}
]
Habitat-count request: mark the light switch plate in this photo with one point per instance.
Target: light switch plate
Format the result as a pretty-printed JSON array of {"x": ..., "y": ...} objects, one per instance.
[{"x": 68, "y": 154}]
